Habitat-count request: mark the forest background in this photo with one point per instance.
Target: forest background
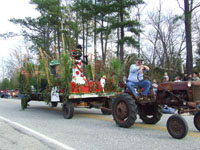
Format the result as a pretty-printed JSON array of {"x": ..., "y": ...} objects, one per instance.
[{"x": 113, "y": 33}]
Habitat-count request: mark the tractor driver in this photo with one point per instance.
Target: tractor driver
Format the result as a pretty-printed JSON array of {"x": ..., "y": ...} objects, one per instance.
[{"x": 135, "y": 78}]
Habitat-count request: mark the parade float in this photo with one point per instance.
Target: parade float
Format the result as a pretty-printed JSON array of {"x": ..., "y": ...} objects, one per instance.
[{"x": 62, "y": 80}]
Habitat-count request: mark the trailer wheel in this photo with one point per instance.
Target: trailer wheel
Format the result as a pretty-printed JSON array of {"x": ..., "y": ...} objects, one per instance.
[
  {"x": 54, "y": 104},
  {"x": 124, "y": 110},
  {"x": 107, "y": 105},
  {"x": 197, "y": 120},
  {"x": 150, "y": 114},
  {"x": 105, "y": 112},
  {"x": 177, "y": 127},
  {"x": 68, "y": 110}
]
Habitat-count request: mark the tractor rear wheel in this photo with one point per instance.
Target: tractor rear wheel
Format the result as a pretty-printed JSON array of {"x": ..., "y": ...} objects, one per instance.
[
  {"x": 124, "y": 110},
  {"x": 68, "y": 110},
  {"x": 197, "y": 120},
  {"x": 177, "y": 127},
  {"x": 150, "y": 114}
]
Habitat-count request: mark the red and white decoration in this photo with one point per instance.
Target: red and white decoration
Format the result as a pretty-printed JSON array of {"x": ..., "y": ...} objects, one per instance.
[{"x": 77, "y": 73}]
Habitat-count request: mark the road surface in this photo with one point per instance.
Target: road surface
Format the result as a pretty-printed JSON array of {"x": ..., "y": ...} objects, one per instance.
[{"x": 43, "y": 127}]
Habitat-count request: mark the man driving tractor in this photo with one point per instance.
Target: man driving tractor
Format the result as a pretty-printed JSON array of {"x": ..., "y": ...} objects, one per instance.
[{"x": 136, "y": 78}]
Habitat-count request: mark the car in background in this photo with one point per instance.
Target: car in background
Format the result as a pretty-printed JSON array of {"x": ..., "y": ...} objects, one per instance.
[
  {"x": 1, "y": 94},
  {"x": 4, "y": 94}
]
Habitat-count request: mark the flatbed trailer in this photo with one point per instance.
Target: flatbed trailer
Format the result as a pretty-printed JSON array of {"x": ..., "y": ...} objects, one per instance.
[{"x": 89, "y": 95}]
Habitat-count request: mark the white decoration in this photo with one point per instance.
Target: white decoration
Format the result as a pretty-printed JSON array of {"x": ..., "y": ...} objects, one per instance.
[
  {"x": 103, "y": 82},
  {"x": 55, "y": 94},
  {"x": 78, "y": 80}
]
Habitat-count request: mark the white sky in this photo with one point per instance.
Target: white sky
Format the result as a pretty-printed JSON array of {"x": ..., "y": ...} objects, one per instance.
[
  {"x": 21, "y": 8},
  {"x": 12, "y": 9}
]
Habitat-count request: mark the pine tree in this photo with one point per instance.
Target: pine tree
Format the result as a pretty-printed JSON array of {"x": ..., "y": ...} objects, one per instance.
[
  {"x": 123, "y": 22},
  {"x": 44, "y": 31}
]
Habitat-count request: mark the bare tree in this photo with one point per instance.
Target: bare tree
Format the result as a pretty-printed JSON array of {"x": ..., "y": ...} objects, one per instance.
[
  {"x": 166, "y": 39},
  {"x": 196, "y": 27},
  {"x": 189, "y": 7}
]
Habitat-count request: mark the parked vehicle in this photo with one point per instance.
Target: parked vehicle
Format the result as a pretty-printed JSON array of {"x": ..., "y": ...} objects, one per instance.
[
  {"x": 1, "y": 94},
  {"x": 5, "y": 93}
]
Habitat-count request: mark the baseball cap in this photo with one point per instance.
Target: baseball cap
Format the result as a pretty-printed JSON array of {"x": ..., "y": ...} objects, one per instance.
[{"x": 140, "y": 59}]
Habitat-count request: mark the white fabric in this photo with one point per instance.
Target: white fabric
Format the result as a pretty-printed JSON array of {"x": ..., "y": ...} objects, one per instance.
[
  {"x": 103, "y": 82},
  {"x": 77, "y": 75},
  {"x": 55, "y": 94}
]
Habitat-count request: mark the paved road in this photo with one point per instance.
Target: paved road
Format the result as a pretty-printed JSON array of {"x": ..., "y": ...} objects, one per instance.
[{"x": 43, "y": 127}]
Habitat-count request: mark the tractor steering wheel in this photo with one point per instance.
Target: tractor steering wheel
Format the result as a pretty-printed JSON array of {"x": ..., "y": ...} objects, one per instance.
[{"x": 139, "y": 77}]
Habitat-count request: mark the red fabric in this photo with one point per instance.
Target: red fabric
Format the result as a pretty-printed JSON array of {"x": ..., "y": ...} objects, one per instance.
[
  {"x": 77, "y": 72},
  {"x": 89, "y": 87},
  {"x": 79, "y": 68}
]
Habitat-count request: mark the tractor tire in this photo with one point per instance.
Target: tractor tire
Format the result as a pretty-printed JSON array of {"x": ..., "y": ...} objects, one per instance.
[
  {"x": 124, "y": 110},
  {"x": 68, "y": 110},
  {"x": 150, "y": 114},
  {"x": 197, "y": 121},
  {"x": 54, "y": 104},
  {"x": 177, "y": 126}
]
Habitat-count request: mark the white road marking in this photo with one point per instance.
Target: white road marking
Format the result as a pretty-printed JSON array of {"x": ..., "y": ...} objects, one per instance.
[{"x": 17, "y": 125}]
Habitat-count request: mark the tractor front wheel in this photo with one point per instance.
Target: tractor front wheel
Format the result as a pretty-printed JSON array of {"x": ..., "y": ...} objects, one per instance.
[{"x": 177, "y": 127}]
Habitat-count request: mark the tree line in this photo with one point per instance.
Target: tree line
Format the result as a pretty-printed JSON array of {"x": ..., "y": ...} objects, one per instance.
[{"x": 113, "y": 28}]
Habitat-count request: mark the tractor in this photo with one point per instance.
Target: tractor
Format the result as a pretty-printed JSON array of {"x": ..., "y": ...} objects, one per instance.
[{"x": 183, "y": 96}]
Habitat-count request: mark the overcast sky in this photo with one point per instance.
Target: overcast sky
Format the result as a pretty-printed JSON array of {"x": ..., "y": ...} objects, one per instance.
[
  {"x": 21, "y": 8},
  {"x": 12, "y": 9}
]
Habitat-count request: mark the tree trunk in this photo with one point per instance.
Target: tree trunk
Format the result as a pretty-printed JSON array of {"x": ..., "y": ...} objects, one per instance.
[
  {"x": 118, "y": 38},
  {"x": 83, "y": 47},
  {"x": 189, "y": 56},
  {"x": 102, "y": 42},
  {"x": 95, "y": 45},
  {"x": 58, "y": 27},
  {"x": 86, "y": 42},
  {"x": 122, "y": 36}
]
